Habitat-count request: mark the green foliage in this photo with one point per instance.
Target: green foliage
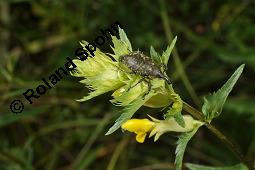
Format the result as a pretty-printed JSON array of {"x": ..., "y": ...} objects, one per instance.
[
  {"x": 100, "y": 74},
  {"x": 179, "y": 119},
  {"x": 121, "y": 46},
  {"x": 128, "y": 112},
  {"x": 181, "y": 146},
  {"x": 213, "y": 104},
  {"x": 155, "y": 56},
  {"x": 9, "y": 118},
  {"x": 201, "y": 167},
  {"x": 124, "y": 38},
  {"x": 176, "y": 109},
  {"x": 166, "y": 54},
  {"x": 163, "y": 60}
]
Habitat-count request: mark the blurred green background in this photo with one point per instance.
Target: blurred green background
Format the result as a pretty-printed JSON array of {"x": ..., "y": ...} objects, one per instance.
[{"x": 56, "y": 132}]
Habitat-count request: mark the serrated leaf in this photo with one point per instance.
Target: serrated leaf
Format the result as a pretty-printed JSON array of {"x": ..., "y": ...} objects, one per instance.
[
  {"x": 181, "y": 146},
  {"x": 166, "y": 54},
  {"x": 176, "y": 109},
  {"x": 124, "y": 38},
  {"x": 179, "y": 119},
  {"x": 120, "y": 48},
  {"x": 201, "y": 167},
  {"x": 155, "y": 56},
  {"x": 100, "y": 74},
  {"x": 213, "y": 104},
  {"x": 128, "y": 112}
]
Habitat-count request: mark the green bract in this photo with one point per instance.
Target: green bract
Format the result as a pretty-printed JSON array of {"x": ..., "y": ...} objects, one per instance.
[{"x": 103, "y": 74}]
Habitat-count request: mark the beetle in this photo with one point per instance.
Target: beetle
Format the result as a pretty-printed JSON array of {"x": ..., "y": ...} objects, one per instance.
[{"x": 142, "y": 65}]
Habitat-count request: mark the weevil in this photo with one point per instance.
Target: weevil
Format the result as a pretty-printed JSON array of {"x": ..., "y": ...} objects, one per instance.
[{"x": 142, "y": 65}]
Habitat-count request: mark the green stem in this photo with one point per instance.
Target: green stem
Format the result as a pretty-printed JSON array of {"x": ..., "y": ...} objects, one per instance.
[
  {"x": 117, "y": 153},
  {"x": 235, "y": 150}
]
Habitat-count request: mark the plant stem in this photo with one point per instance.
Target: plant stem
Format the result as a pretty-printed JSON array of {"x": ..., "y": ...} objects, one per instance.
[
  {"x": 119, "y": 149},
  {"x": 235, "y": 150}
]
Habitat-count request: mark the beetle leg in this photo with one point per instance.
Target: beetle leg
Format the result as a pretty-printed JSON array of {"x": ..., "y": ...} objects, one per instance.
[
  {"x": 148, "y": 81},
  {"x": 142, "y": 79}
]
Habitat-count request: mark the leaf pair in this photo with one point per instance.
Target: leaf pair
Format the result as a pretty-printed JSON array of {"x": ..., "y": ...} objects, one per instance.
[
  {"x": 163, "y": 60},
  {"x": 213, "y": 104}
]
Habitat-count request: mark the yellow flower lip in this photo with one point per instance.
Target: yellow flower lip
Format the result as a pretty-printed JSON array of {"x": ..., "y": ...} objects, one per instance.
[
  {"x": 140, "y": 127},
  {"x": 157, "y": 127},
  {"x": 134, "y": 125}
]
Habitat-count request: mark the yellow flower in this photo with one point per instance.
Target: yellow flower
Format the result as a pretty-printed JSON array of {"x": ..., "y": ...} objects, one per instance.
[
  {"x": 158, "y": 127},
  {"x": 170, "y": 125},
  {"x": 140, "y": 127}
]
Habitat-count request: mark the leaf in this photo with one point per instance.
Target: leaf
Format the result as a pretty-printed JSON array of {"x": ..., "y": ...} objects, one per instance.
[
  {"x": 120, "y": 48},
  {"x": 124, "y": 38},
  {"x": 9, "y": 118},
  {"x": 181, "y": 146},
  {"x": 201, "y": 167},
  {"x": 179, "y": 119},
  {"x": 155, "y": 56},
  {"x": 176, "y": 109},
  {"x": 128, "y": 112},
  {"x": 100, "y": 73},
  {"x": 166, "y": 54},
  {"x": 213, "y": 104}
]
